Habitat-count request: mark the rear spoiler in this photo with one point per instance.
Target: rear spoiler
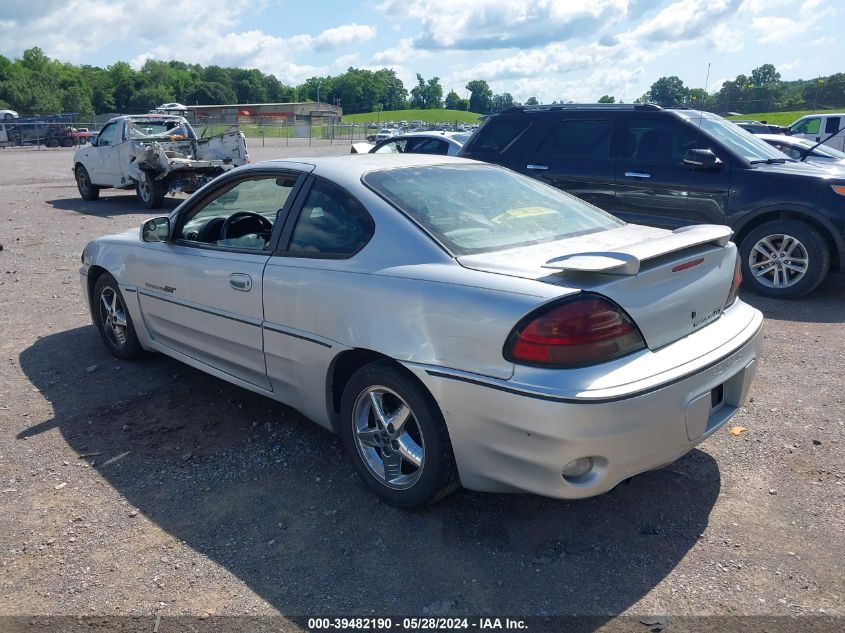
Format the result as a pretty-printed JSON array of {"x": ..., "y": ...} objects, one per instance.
[{"x": 626, "y": 260}]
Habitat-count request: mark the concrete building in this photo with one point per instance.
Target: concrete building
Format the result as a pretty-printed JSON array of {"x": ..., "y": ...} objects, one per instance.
[{"x": 255, "y": 113}]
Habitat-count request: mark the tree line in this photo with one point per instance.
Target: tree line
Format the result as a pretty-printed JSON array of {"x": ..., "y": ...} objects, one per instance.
[
  {"x": 36, "y": 84},
  {"x": 760, "y": 91}
]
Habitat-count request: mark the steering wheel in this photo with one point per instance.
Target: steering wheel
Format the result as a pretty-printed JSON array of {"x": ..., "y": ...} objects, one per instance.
[{"x": 246, "y": 222}]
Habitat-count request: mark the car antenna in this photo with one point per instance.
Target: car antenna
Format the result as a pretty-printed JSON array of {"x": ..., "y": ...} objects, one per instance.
[
  {"x": 701, "y": 118},
  {"x": 807, "y": 151}
]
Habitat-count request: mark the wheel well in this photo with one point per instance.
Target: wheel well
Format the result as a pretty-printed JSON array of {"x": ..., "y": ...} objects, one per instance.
[
  {"x": 792, "y": 215},
  {"x": 344, "y": 366},
  {"x": 94, "y": 273}
]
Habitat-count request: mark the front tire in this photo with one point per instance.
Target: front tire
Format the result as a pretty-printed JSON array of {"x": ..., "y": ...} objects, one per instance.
[
  {"x": 83, "y": 183},
  {"x": 150, "y": 192},
  {"x": 784, "y": 259},
  {"x": 108, "y": 310},
  {"x": 396, "y": 437}
]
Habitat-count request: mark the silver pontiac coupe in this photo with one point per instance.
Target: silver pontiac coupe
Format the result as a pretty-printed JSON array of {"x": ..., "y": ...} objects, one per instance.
[{"x": 457, "y": 323}]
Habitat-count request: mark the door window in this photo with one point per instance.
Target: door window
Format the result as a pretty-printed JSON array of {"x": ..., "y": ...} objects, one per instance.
[
  {"x": 575, "y": 137},
  {"x": 332, "y": 224},
  {"x": 655, "y": 140},
  {"x": 241, "y": 216},
  {"x": 807, "y": 126},
  {"x": 831, "y": 125},
  {"x": 108, "y": 135}
]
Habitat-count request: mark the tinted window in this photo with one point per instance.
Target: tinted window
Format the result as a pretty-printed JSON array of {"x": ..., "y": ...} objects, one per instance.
[
  {"x": 496, "y": 134},
  {"x": 332, "y": 222},
  {"x": 242, "y": 216},
  {"x": 831, "y": 125},
  {"x": 660, "y": 140},
  {"x": 579, "y": 138},
  {"x": 476, "y": 208}
]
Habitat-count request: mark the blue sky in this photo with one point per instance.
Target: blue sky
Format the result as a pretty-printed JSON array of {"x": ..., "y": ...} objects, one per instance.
[{"x": 551, "y": 49}]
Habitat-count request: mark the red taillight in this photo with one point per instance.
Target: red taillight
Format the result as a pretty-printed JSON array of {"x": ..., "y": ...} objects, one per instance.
[
  {"x": 735, "y": 283},
  {"x": 583, "y": 331}
]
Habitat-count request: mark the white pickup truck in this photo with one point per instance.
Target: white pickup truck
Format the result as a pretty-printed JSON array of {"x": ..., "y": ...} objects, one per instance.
[
  {"x": 155, "y": 154},
  {"x": 819, "y": 127}
]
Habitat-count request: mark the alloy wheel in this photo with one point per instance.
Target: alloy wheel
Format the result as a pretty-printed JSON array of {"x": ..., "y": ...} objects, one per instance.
[
  {"x": 778, "y": 261},
  {"x": 113, "y": 316},
  {"x": 388, "y": 437}
]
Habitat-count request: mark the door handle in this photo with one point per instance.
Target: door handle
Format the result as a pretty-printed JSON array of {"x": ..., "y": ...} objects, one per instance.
[
  {"x": 636, "y": 174},
  {"x": 536, "y": 167},
  {"x": 240, "y": 281}
]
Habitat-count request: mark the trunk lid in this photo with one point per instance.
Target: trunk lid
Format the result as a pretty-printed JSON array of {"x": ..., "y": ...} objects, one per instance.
[{"x": 671, "y": 283}]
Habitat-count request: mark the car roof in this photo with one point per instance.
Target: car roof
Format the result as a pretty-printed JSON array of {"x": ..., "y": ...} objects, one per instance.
[
  {"x": 348, "y": 169},
  {"x": 780, "y": 138}
]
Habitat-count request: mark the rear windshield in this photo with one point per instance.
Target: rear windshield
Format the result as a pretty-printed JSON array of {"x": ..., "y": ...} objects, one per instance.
[
  {"x": 479, "y": 208},
  {"x": 496, "y": 134}
]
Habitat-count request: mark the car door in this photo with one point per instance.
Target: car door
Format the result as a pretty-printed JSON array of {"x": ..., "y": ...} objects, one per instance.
[
  {"x": 202, "y": 292},
  {"x": 575, "y": 156},
  {"x": 98, "y": 158},
  {"x": 653, "y": 184},
  {"x": 326, "y": 229}
]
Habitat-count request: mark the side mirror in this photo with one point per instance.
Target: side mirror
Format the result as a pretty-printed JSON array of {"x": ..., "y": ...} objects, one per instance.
[
  {"x": 94, "y": 142},
  {"x": 702, "y": 159},
  {"x": 156, "y": 230}
]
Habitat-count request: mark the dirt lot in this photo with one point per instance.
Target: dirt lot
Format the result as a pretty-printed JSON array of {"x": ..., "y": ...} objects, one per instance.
[{"x": 150, "y": 488}]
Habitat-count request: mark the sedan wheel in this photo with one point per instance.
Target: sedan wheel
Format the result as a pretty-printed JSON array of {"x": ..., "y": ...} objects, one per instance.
[
  {"x": 784, "y": 259},
  {"x": 113, "y": 320},
  {"x": 388, "y": 437},
  {"x": 396, "y": 436}
]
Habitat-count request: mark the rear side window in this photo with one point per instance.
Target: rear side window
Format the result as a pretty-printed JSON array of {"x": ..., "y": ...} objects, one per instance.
[
  {"x": 332, "y": 224},
  {"x": 831, "y": 125},
  {"x": 657, "y": 140},
  {"x": 575, "y": 137},
  {"x": 496, "y": 134}
]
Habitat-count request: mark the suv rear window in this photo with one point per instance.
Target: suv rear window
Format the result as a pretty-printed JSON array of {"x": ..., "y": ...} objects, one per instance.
[
  {"x": 496, "y": 134},
  {"x": 579, "y": 137}
]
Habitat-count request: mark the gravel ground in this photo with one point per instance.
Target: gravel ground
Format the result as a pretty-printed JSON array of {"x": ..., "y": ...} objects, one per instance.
[{"x": 149, "y": 488}]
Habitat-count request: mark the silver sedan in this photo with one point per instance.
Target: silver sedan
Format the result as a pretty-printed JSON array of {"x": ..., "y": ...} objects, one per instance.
[{"x": 455, "y": 322}]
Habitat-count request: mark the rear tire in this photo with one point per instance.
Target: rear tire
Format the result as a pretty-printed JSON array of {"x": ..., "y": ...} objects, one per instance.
[
  {"x": 83, "y": 183},
  {"x": 409, "y": 465},
  {"x": 784, "y": 259},
  {"x": 150, "y": 192},
  {"x": 108, "y": 310}
]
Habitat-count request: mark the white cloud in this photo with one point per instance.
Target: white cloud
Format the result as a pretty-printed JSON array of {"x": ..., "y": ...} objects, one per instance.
[
  {"x": 341, "y": 35},
  {"x": 497, "y": 24}
]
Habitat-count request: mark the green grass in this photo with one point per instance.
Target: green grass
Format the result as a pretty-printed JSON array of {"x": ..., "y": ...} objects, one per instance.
[
  {"x": 776, "y": 118},
  {"x": 427, "y": 116}
]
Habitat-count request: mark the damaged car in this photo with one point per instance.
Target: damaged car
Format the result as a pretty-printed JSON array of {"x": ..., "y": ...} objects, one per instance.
[
  {"x": 455, "y": 322},
  {"x": 156, "y": 155}
]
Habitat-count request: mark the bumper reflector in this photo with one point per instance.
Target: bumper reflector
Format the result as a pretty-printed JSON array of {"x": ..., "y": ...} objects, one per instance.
[{"x": 578, "y": 467}]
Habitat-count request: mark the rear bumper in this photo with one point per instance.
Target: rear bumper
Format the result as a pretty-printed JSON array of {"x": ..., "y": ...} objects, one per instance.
[{"x": 508, "y": 440}]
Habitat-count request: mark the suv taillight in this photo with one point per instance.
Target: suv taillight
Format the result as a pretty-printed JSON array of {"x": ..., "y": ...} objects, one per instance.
[
  {"x": 735, "y": 283},
  {"x": 584, "y": 330}
]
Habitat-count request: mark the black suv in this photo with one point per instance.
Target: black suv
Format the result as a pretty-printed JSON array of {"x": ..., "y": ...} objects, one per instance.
[{"x": 672, "y": 167}]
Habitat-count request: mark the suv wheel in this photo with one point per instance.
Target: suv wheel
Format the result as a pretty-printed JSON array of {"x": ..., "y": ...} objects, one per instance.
[{"x": 784, "y": 259}]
